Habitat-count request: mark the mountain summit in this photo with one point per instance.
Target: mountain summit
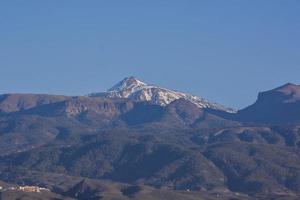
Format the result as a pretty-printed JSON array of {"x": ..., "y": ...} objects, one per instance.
[
  {"x": 137, "y": 90},
  {"x": 278, "y": 105},
  {"x": 127, "y": 83}
]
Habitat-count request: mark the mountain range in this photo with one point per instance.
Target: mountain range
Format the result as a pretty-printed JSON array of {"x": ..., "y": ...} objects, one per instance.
[{"x": 141, "y": 141}]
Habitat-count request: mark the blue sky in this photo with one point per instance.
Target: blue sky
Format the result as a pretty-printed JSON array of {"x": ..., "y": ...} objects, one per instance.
[{"x": 225, "y": 51}]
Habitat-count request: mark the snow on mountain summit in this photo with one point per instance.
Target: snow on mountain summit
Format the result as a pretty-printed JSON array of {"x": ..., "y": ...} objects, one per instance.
[
  {"x": 129, "y": 83},
  {"x": 137, "y": 90}
]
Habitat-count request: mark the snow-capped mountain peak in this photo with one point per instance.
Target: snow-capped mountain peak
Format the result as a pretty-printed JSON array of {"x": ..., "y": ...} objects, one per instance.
[
  {"x": 127, "y": 83},
  {"x": 137, "y": 90}
]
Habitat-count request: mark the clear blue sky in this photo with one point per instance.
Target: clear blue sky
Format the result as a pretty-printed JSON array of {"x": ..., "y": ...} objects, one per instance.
[{"x": 225, "y": 51}]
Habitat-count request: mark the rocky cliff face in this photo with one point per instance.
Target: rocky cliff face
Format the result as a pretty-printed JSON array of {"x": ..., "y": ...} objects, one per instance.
[{"x": 279, "y": 105}]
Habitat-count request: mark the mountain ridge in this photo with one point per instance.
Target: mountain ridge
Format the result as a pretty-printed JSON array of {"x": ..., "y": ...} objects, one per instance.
[
  {"x": 279, "y": 105},
  {"x": 133, "y": 88}
]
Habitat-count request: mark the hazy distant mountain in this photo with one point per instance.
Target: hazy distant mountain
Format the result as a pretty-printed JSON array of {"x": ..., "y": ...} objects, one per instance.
[{"x": 137, "y": 90}]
